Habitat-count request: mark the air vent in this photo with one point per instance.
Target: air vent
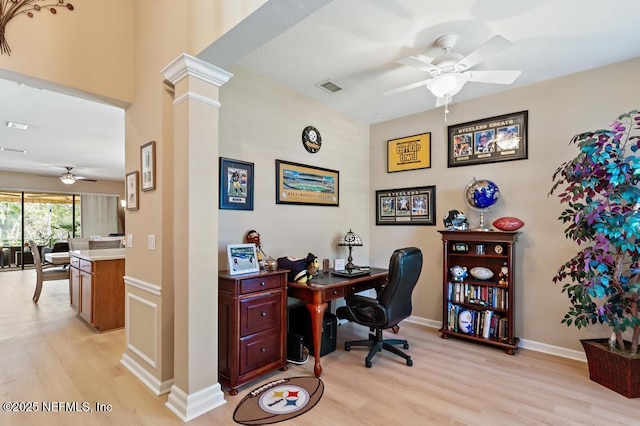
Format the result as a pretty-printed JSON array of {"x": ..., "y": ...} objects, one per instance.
[
  {"x": 330, "y": 86},
  {"x": 21, "y": 151}
]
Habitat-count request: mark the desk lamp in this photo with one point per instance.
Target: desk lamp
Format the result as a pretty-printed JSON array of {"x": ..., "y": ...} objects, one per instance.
[{"x": 350, "y": 240}]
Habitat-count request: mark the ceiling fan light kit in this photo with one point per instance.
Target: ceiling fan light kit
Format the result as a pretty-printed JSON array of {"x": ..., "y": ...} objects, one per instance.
[{"x": 68, "y": 178}]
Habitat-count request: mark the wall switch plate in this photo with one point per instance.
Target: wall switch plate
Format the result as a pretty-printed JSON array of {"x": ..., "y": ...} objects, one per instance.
[
  {"x": 152, "y": 242},
  {"x": 130, "y": 240}
]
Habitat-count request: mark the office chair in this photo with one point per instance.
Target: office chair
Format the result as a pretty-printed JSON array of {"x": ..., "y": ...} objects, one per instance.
[
  {"x": 392, "y": 305},
  {"x": 45, "y": 272}
]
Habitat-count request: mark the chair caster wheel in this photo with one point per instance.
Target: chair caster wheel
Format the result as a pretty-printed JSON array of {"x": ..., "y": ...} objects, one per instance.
[
  {"x": 368, "y": 364},
  {"x": 406, "y": 346},
  {"x": 347, "y": 347},
  {"x": 410, "y": 362}
]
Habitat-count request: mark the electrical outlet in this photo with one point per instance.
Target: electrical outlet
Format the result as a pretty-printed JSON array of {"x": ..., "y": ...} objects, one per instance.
[
  {"x": 130, "y": 240},
  {"x": 152, "y": 242}
]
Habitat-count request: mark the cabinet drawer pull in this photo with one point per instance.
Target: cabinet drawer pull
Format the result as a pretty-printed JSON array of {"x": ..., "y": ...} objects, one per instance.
[
  {"x": 263, "y": 350},
  {"x": 262, "y": 283},
  {"x": 264, "y": 314},
  {"x": 335, "y": 291}
]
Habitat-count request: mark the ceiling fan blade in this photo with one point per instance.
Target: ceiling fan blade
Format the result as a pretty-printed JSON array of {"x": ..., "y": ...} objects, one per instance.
[
  {"x": 85, "y": 179},
  {"x": 489, "y": 48},
  {"x": 419, "y": 62},
  {"x": 496, "y": 77},
  {"x": 407, "y": 87}
]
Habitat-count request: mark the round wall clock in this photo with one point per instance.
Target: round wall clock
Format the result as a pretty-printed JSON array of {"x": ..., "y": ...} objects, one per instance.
[{"x": 311, "y": 139}]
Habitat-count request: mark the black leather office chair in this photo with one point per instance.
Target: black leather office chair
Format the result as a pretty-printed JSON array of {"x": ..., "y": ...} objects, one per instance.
[{"x": 392, "y": 305}]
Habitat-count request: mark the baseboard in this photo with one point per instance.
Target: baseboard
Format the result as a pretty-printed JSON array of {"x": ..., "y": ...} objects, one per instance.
[
  {"x": 525, "y": 344},
  {"x": 156, "y": 386},
  {"x": 188, "y": 407}
]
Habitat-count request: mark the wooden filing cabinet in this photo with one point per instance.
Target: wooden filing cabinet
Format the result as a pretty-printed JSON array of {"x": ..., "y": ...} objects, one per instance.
[{"x": 251, "y": 326}]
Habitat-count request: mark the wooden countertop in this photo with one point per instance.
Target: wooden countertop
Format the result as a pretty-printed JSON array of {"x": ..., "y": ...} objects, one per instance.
[{"x": 98, "y": 254}]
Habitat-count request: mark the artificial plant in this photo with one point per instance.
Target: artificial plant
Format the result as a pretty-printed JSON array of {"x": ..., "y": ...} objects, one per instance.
[{"x": 600, "y": 189}]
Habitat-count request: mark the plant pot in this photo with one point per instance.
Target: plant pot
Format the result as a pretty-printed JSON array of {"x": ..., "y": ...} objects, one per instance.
[{"x": 616, "y": 370}]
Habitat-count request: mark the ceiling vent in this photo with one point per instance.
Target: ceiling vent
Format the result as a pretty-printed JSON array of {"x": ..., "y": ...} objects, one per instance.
[{"x": 330, "y": 86}]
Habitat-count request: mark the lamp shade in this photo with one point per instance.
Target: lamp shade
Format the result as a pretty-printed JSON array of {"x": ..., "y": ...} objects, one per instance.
[
  {"x": 447, "y": 84},
  {"x": 350, "y": 240}
]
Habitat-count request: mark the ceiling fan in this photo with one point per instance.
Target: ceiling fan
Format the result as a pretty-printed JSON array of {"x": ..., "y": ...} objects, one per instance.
[
  {"x": 69, "y": 178},
  {"x": 450, "y": 71}
]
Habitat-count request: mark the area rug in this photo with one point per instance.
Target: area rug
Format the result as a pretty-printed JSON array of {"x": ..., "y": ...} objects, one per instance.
[{"x": 279, "y": 400}]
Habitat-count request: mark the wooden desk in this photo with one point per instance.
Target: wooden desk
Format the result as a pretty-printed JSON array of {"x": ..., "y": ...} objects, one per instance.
[{"x": 326, "y": 287}]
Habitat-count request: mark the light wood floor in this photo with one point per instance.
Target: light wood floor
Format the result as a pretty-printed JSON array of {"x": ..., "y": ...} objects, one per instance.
[{"x": 48, "y": 354}]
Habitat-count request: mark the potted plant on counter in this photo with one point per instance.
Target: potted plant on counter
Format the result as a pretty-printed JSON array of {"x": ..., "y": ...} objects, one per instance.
[{"x": 599, "y": 188}]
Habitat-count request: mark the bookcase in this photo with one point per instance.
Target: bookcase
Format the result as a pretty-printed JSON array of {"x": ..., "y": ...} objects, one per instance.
[{"x": 481, "y": 308}]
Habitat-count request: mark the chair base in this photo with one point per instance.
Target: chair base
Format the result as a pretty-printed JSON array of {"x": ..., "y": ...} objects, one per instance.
[{"x": 377, "y": 344}]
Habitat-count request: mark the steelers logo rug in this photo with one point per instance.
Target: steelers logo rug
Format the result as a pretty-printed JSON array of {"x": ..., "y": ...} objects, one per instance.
[{"x": 279, "y": 400}]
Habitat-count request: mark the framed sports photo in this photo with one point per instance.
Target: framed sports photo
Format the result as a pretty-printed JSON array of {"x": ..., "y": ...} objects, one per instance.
[
  {"x": 490, "y": 140},
  {"x": 243, "y": 258},
  {"x": 409, "y": 153},
  {"x": 406, "y": 206},
  {"x": 236, "y": 184}
]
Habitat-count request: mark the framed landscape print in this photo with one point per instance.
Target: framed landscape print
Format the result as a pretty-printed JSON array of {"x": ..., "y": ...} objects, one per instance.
[
  {"x": 148, "y": 166},
  {"x": 132, "y": 190},
  {"x": 301, "y": 184},
  {"x": 236, "y": 184},
  {"x": 406, "y": 206},
  {"x": 410, "y": 153},
  {"x": 243, "y": 258},
  {"x": 490, "y": 140}
]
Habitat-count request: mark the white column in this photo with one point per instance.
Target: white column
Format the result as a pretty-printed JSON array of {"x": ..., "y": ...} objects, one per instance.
[{"x": 195, "y": 210}]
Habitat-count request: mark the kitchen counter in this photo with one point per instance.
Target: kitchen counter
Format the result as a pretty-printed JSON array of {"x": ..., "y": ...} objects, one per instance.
[{"x": 98, "y": 254}]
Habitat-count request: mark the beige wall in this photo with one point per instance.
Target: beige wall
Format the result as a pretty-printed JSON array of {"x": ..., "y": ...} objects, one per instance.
[
  {"x": 261, "y": 122},
  {"x": 558, "y": 109},
  {"x": 89, "y": 49}
]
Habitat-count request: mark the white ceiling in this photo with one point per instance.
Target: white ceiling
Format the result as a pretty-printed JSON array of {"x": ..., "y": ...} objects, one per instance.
[{"x": 355, "y": 44}]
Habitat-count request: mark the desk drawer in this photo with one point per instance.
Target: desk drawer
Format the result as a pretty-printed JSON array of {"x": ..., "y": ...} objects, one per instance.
[
  {"x": 75, "y": 262},
  {"x": 356, "y": 288},
  {"x": 333, "y": 293},
  {"x": 259, "y": 350},
  {"x": 86, "y": 265},
  {"x": 260, "y": 313},
  {"x": 251, "y": 285}
]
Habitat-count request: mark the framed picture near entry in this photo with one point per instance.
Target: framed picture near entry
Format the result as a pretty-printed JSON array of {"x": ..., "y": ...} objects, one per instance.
[
  {"x": 236, "y": 184},
  {"x": 310, "y": 185},
  {"x": 132, "y": 190},
  {"x": 148, "y": 166},
  {"x": 406, "y": 206},
  {"x": 490, "y": 140},
  {"x": 243, "y": 258},
  {"x": 410, "y": 153}
]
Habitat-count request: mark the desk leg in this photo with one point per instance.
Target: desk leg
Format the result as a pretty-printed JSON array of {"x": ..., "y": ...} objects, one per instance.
[{"x": 317, "y": 314}]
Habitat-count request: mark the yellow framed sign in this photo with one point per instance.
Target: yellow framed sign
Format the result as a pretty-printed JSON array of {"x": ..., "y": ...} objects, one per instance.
[{"x": 409, "y": 153}]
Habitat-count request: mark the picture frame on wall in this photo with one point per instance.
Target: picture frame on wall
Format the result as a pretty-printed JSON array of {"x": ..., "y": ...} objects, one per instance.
[
  {"x": 490, "y": 140},
  {"x": 132, "y": 190},
  {"x": 307, "y": 185},
  {"x": 236, "y": 184},
  {"x": 406, "y": 206},
  {"x": 409, "y": 153},
  {"x": 148, "y": 166},
  {"x": 243, "y": 258}
]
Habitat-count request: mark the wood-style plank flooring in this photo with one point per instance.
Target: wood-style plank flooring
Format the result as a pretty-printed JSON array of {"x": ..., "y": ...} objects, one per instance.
[{"x": 48, "y": 354}]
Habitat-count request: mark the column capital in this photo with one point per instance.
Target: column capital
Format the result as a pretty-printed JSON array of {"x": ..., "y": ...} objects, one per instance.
[{"x": 187, "y": 65}]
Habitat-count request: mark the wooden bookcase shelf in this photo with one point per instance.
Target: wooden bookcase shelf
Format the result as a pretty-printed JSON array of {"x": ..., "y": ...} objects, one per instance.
[{"x": 481, "y": 311}]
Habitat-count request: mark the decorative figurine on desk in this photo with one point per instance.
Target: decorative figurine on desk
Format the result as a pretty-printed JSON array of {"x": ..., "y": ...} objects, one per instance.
[
  {"x": 458, "y": 273},
  {"x": 455, "y": 220},
  {"x": 254, "y": 237},
  {"x": 300, "y": 270}
]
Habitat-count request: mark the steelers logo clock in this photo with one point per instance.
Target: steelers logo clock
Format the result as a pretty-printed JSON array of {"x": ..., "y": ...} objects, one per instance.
[{"x": 311, "y": 139}]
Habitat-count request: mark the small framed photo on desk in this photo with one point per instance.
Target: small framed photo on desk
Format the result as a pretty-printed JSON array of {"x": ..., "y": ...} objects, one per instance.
[
  {"x": 243, "y": 258},
  {"x": 339, "y": 265}
]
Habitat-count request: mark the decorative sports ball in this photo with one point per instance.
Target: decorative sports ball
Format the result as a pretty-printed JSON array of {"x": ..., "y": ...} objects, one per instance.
[
  {"x": 508, "y": 223},
  {"x": 279, "y": 400}
]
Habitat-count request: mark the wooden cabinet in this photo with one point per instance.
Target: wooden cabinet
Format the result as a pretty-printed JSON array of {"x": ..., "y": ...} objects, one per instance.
[
  {"x": 97, "y": 291},
  {"x": 480, "y": 308},
  {"x": 251, "y": 326}
]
